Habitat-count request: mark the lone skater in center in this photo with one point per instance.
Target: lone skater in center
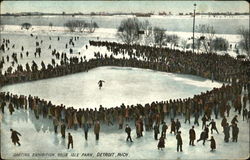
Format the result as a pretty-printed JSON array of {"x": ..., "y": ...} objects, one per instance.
[{"x": 100, "y": 83}]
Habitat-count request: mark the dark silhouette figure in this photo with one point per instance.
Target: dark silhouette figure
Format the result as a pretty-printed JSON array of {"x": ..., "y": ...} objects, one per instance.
[
  {"x": 86, "y": 130},
  {"x": 226, "y": 131},
  {"x": 97, "y": 129},
  {"x": 173, "y": 125},
  {"x": 164, "y": 130},
  {"x": 63, "y": 127},
  {"x": 156, "y": 131},
  {"x": 179, "y": 141},
  {"x": 128, "y": 131},
  {"x": 14, "y": 137},
  {"x": 161, "y": 143},
  {"x": 100, "y": 83},
  {"x": 202, "y": 137},
  {"x": 213, "y": 126},
  {"x": 70, "y": 141},
  {"x": 235, "y": 131},
  {"x": 192, "y": 136},
  {"x": 212, "y": 144}
]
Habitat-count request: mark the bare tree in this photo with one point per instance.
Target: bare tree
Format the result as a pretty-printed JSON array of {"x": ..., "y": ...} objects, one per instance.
[
  {"x": 173, "y": 39},
  {"x": 26, "y": 26},
  {"x": 184, "y": 44},
  {"x": 71, "y": 25},
  {"x": 128, "y": 31},
  {"x": 147, "y": 27},
  {"x": 220, "y": 44},
  {"x": 91, "y": 26},
  {"x": 207, "y": 33},
  {"x": 51, "y": 25},
  {"x": 159, "y": 36},
  {"x": 244, "y": 43},
  {"x": 81, "y": 26}
]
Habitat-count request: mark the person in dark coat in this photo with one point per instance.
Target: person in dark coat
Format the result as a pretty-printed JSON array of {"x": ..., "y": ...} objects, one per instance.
[
  {"x": 244, "y": 114},
  {"x": 179, "y": 141},
  {"x": 128, "y": 131},
  {"x": 207, "y": 131},
  {"x": 86, "y": 130},
  {"x": 100, "y": 82},
  {"x": 192, "y": 136},
  {"x": 196, "y": 118},
  {"x": 164, "y": 130},
  {"x": 213, "y": 143},
  {"x": 223, "y": 122},
  {"x": 202, "y": 137},
  {"x": 213, "y": 126},
  {"x": 97, "y": 129},
  {"x": 235, "y": 130},
  {"x": 177, "y": 125},
  {"x": 11, "y": 108},
  {"x": 204, "y": 120},
  {"x": 63, "y": 128},
  {"x": 234, "y": 120},
  {"x": 14, "y": 137},
  {"x": 226, "y": 131},
  {"x": 156, "y": 131},
  {"x": 172, "y": 126},
  {"x": 70, "y": 140},
  {"x": 2, "y": 106},
  {"x": 161, "y": 143},
  {"x": 55, "y": 123}
]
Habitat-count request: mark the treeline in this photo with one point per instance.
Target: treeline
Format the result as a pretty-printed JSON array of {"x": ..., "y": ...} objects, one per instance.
[
  {"x": 81, "y": 26},
  {"x": 133, "y": 31}
]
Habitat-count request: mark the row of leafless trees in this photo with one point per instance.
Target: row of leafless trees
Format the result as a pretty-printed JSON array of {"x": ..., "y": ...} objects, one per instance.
[
  {"x": 133, "y": 31},
  {"x": 81, "y": 26}
]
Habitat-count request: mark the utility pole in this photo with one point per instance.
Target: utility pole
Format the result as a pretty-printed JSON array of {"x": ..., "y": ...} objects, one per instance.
[{"x": 194, "y": 25}]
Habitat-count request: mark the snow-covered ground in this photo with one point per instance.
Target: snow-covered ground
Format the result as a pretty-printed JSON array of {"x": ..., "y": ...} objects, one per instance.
[
  {"x": 22, "y": 38},
  {"x": 38, "y": 137},
  {"x": 122, "y": 85}
]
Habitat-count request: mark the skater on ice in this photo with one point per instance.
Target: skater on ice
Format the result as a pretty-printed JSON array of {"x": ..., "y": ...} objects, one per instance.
[
  {"x": 213, "y": 126},
  {"x": 157, "y": 131},
  {"x": 100, "y": 83},
  {"x": 192, "y": 136},
  {"x": 70, "y": 141},
  {"x": 128, "y": 131},
  {"x": 212, "y": 143},
  {"x": 179, "y": 141},
  {"x": 161, "y": 143},
  {"x": 14, "y": 137}
]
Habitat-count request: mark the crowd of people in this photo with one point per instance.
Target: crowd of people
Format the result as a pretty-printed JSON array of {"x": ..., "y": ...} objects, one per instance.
[{"x": 148, "y": 117}]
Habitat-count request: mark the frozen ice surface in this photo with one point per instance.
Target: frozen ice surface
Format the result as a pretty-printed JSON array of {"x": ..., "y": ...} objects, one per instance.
[
  {"x": 122, "y": 85},
  {"x": 38, "y": 137},
  {"x": 81, "y": 90}
]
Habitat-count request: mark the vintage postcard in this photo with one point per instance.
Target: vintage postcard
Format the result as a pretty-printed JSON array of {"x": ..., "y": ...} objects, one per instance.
[{"x": 124, "y": 80}]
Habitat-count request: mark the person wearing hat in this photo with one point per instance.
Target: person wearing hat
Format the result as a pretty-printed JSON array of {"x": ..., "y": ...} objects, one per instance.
[
  {"x": 70, "y": 141},
  {"x": 213, "y": 143},
  {"x": 192, "y": 136},
  {"x": 128, "y": 131},
  {"x": 179, "y": 141},
  {"x": 14, "y": 137}
]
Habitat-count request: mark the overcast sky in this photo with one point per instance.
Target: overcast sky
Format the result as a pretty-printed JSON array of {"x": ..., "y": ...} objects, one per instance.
[{"x": 122, "y": 6}]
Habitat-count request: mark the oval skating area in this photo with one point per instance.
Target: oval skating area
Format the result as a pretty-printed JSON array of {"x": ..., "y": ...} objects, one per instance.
[{"x": 122, "y": 85}]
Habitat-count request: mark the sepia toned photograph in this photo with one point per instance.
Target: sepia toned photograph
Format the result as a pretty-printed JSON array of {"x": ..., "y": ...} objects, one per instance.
[{"x": 124, "y": 80}]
